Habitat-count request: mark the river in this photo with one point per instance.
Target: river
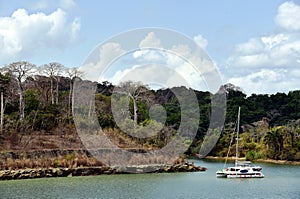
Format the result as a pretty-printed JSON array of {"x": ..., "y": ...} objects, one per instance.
[{"x": 281, "y": 181}]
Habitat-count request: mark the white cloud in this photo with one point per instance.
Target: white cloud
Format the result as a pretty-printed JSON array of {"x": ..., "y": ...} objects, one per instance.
[
  {"x": 23, "y": 34},
  {"x": 272, "y": 60},
  {"x": 278, "y": 50},
  {"x": 288, "y": 16},
  {"x": 201, "y": 41},
  {"x": 150, "y": 41},
  {"x": 165, "y": 67},
  {"x": 274, "y": 40},
  {"x": 149, "y": 55},
  {"x": 268, "y": 81},
  {"x": 178, "y": 58},
  {"x": 107, "y": 53},
  {"x": 159, "y": 76}
]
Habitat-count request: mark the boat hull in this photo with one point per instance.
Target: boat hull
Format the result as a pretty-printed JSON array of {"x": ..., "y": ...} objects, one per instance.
[
  {"x": 239, "y": 172},
  {"x": 221, "y": 175},
  {"x": 245, "y": 175}
]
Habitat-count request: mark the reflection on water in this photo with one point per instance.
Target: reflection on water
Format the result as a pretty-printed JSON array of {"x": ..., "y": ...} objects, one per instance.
[{"x": 281, "y": 181}]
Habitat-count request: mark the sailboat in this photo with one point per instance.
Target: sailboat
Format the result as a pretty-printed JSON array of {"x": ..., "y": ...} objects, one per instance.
[{"x": 241, "y": 169}]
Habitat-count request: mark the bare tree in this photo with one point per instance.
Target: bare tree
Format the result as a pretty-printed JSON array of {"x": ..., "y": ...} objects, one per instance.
[
  {"x": 2, "y": 87},
  {"x": 20, "y": 70},
  {"x": 133, "y": 90},
  {"x": 53, "y": 70},
  {"x": 72, "y": 73}
]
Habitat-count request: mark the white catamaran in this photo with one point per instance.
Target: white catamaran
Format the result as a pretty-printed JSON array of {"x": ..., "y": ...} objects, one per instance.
[{"x": 241, "y": 169}]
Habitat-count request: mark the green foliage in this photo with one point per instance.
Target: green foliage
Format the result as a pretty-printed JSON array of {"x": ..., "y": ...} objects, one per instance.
[
  {"x": 57, "y": 163},
  {"x": 173, "y": 114},
  {"x": 106, "y": 121},
  {"x": 31, "y": 99},
  {"x": 280, "y": 140},
  {"x": 143, "y": 112},
  {"x": 252, "y": 155},
  {"x": 4, "y": 81},
  {"x": 70, "y": 157}
]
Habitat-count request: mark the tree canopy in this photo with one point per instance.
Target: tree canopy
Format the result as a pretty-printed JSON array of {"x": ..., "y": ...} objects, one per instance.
[{"x": 30, "y": 96}]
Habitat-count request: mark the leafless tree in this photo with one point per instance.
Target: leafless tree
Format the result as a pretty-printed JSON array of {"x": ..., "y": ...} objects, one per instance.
[
  {"x": 2, "y": 113},
  {"x": 72, "y": 73},
  {"x": 20, "y": 71},
  {"x": 3, "y": 83},
  {"x": 53, "y": 70},
  {"x": 133, "y": 90}
]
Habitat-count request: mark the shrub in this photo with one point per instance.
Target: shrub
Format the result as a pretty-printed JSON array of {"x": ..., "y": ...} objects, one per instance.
[
  {"x": 57, "y": 163},
  {"x": 252, "y": 155}
]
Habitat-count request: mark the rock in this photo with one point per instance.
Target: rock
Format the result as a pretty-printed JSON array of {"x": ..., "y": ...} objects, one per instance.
[{"x": 83, "y": 171}]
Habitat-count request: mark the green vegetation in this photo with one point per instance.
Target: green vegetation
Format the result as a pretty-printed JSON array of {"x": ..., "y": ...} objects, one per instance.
[{"x": 36, "y": 115}]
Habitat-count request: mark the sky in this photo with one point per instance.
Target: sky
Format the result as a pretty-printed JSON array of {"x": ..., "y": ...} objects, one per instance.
[{"x": 254, "y": 44}]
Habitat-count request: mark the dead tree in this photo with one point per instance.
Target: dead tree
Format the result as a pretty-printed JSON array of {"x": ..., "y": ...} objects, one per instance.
[
  {"x": 72, "y": 73},
  {"x": 53, "y": 70},
  {"x": 20, "y": 71}
]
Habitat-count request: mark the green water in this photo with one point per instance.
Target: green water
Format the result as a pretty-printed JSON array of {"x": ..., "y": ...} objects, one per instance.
[{"x": 280, "y": 182}]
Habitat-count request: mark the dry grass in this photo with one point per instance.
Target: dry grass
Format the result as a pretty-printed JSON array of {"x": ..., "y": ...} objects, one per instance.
[
  {"x": 67, "y": 161},
  {"x": 64, "y": 149}
]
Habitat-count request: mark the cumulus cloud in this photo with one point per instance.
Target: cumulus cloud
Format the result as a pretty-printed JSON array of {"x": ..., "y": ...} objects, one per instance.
[
  {"x": 288, "y": 16},
  {"x": 268, "y": 81},
  {"x": 151, "y": 64},
  {"x": 106, "y": 53},
  {"x": 179, "y": 59},
  {"x": 150, "y": 41},
  {"x": 270, "y": 57},
  {"x": 23, "y": 34},
  {"x": 278, "y": 50},
  {"x": 201, "y": 41}
]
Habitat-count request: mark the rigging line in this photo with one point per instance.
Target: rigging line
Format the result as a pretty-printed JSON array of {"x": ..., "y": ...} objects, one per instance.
[{"x": 232, "y": 136}]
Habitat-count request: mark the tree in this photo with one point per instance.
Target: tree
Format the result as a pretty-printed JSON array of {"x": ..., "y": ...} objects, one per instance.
[
  {"x": 274, "y": 141},
  {"x": 20, "y": 71},
  {"x": 4, "y": 80},
  {"x": 133, "y": 90},
  {"x": 72, "y": 73},
  {"x": 53, "y": 70}
]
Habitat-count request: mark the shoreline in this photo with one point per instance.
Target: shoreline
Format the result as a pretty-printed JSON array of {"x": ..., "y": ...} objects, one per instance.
[
  {"x": 281, "y": 162},
  {"x": 29, "y": 173}
]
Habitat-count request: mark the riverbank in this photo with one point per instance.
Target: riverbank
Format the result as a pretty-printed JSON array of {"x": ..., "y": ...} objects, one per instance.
[
  {"x": 282, "y": 162},
  {"x": 100, "y": 170}
]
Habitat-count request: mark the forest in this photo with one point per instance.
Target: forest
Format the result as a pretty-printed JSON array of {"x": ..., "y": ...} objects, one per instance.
[{"x": 36, "y": 114}]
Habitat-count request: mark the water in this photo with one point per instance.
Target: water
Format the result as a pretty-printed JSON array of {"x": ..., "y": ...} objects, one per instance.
[{"x": 281, "y": 182}]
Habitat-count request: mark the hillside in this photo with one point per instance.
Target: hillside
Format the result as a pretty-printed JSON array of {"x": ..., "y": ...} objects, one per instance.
[{"x": 270, "y": 124}]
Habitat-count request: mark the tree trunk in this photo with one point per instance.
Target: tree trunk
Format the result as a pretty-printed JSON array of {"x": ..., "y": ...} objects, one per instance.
[
  {"x": 2, "y": 113},
  {"x": 70, "y": 95},
  {"x": 134, "y": 109},
  {"x": 51, "y": 90},
  {"x": 72, "y": 102},
  {"x": 22, "y": 104},
  {"x": 57, "y": 80},
  {"x": 135, "y": 112},
  {"x": 90, "y": 109}
]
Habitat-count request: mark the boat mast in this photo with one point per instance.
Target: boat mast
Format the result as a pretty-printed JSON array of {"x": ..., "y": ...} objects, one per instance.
[{"x": 237, "y": 138}]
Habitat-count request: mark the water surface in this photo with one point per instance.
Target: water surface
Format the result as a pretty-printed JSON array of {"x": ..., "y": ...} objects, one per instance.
[{"x": 281, "y": 181}]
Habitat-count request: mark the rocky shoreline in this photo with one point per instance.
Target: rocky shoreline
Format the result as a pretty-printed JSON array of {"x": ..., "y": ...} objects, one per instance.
[{"x": 89, "y": 171}]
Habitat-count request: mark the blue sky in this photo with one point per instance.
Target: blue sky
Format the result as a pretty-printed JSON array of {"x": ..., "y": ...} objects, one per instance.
[{"x": 255, "y": 44}]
